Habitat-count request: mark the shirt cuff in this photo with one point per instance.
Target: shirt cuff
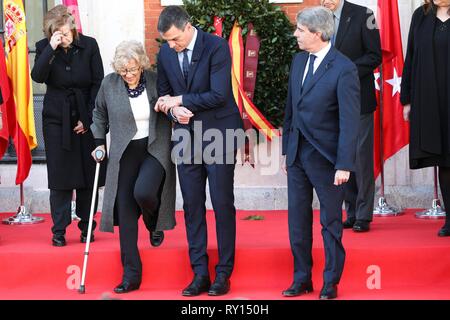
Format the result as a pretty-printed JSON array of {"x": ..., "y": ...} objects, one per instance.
[{"x": 172, "y": 115}]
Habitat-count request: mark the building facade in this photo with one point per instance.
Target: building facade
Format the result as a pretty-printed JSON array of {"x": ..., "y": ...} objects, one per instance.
[{"x": 112, "y": 21}]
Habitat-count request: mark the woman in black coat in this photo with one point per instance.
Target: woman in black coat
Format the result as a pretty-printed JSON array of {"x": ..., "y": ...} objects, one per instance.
[
  {"x": 70, "y": 65},
  {"x": 425, "y": 93}
]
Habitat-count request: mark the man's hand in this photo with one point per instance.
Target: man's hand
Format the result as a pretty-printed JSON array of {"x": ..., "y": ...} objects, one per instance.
[
  {"x": 406, "y": 111},
  {"x": 341, "y": 177},
  {"x": 79, "y": 128},
  {"x": 182, "y": 114},
  {"x": 166, "y": 103}
]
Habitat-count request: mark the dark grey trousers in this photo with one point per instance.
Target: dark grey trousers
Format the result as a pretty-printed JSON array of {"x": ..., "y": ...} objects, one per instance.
[{"x": 360, "y": 189}]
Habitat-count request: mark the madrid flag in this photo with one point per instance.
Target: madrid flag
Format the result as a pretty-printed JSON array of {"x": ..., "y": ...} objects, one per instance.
[{"x": 395, "y": 131}]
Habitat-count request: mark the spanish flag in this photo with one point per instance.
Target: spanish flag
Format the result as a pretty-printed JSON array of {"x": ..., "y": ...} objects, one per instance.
[
  {"x": 246, "y": 106},
  {"x": 18, "y": 70}
]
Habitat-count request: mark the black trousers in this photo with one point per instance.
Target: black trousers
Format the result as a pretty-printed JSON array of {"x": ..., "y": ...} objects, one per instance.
[
  {"x": 141, "y": 178},
  {"x": 60, "y": 207}
]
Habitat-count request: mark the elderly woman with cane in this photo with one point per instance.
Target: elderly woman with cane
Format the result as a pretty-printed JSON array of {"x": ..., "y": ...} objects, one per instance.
[{"x": 140, "y": 178}]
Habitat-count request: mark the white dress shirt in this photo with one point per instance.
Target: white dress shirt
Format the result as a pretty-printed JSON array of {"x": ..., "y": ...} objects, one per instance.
[
  {"x": 190, "y": 50},
  {"x": 319, "y": 58}
]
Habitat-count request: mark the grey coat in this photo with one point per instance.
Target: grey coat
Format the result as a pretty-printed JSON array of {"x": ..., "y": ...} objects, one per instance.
[{"x": 113, "y": 113}]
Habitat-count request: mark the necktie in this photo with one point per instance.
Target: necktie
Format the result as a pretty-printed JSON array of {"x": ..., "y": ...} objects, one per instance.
[
  {"x": 185, "y": 65},
  {"x": 310, "y": 73}
]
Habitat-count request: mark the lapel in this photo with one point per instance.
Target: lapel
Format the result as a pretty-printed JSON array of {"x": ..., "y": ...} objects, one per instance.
[
  {"x": 196, "y": 54},
  {"x": 344, "y": 23},
  {"x": 122, "y": 101},
  {"x": 323, "y": 68},
  {"x": 175, "y": 64},
  {"x": 298, "y": 77},
  {"x": 150, "y": 87}
]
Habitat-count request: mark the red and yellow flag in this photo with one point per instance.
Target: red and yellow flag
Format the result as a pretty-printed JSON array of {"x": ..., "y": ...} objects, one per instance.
[
  {"x": 246, "y": 106},
  {"x": 18, "y": 70}
]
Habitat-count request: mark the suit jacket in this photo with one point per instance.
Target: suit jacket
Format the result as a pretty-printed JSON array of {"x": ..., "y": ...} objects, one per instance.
[
  {"x": 358, "y": 38},
  {"x": 113, "y": 114},
  {"x": 326, "y": 110},
  {"x": 208, "y": 93}
]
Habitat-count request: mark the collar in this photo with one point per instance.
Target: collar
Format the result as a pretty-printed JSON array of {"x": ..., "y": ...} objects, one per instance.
[
  {"x": 338, "y": 12},
  {"x": 320, "y": 55},
  {"x": 192, "y": 43},
  {"x": 79, "y": 42}
]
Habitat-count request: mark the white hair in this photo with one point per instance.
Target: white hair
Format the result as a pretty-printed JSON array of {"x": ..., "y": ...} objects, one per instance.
[
  {"x": 317, "y": 19},
  {"x": 128, "y": 50}
]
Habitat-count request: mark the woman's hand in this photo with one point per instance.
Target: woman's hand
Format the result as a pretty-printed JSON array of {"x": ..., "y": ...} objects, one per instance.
[
  {"x": 79, "y": 128},
  {"x": 101, "y": 148},
  {"x": 56, "y": 39},
  {"x": 406, "y": 111}
]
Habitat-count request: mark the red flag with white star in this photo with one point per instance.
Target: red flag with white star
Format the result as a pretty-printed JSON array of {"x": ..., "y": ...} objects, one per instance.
[{"x": 395, "y": 132}]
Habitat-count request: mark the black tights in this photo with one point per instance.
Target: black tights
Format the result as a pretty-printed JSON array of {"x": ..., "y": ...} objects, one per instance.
[{"x": 444, "y": 183}]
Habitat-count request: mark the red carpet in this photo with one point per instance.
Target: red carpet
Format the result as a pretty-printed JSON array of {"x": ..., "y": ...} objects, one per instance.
[{"x": 413, "y": 262}]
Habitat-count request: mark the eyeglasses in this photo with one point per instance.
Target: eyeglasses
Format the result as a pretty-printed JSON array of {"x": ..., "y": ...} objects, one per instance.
[{"x": 133, "y": 71}]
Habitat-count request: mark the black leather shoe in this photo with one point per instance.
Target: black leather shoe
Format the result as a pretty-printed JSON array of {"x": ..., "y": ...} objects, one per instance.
[
  {"x": 297, "y": 289},
  {"x": 220, "y": 286},
  {"x": 156, "y": 238},
  {"x": 329, "y": 291},
  {"x": 348, "y": 224},
  {"x": 199, "y": 284},
  {"x": 58, "y": 241},
  {"x": 444, "y": 232},
  {"x": 361, "y": 226},
  {"x": 83, "y": 237},
  {"x": 125, "y": 287}
]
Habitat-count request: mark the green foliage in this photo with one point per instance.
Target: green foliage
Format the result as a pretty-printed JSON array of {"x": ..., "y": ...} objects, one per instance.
[
  {"x": 278, "y": 45},
  {"x": 254, "y": 218}
]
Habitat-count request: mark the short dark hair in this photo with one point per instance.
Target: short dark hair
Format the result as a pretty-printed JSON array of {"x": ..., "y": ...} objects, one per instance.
[{"x": 172, "y": 16}]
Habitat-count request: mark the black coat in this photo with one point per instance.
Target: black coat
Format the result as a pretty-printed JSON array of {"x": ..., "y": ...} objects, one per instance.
[
  {"x": 419, "y": 88},
  {"x": 72, "y": 80},
  {"x": 361, "y": 44}
]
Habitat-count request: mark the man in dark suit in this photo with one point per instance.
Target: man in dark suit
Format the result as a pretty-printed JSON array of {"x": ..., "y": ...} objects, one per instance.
[
  {"x": 194, "y": 85},
  {"x": 358, "y": 38},
  {"x": 319, "y": 142}
]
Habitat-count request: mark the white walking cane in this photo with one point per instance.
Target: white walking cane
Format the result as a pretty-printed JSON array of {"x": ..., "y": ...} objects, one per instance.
[{"x": 98, "y": 156}]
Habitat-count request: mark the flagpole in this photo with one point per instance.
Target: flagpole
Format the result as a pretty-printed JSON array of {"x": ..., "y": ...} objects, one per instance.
[
  {"x": 383, "y": 209},
  {"x": 436, "y": 211},
  {"x": 23, "y": 215}
]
